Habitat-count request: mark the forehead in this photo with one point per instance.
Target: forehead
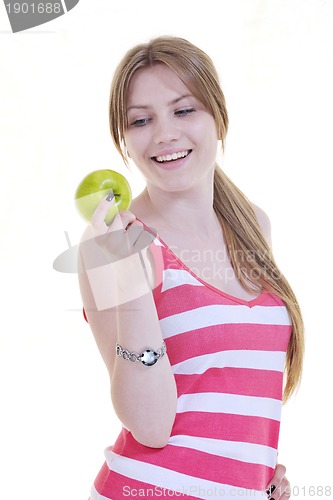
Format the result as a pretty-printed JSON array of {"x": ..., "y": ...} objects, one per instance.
[{"x": 155, "y": 81}]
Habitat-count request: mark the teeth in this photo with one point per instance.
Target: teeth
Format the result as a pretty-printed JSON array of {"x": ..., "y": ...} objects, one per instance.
[{"x": 174, "y": 156}]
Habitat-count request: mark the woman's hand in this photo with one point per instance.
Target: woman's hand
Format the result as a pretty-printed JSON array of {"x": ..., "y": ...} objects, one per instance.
[
  {"x": 113, "y": 258},
  {"x": 125, "y": 235},
  {"x": 279, "y": 486}
]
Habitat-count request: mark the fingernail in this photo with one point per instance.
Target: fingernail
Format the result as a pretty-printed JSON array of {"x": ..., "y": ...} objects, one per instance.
[
  {"x": 271, "y": 489},
  {"x": 110, "y": 197}
]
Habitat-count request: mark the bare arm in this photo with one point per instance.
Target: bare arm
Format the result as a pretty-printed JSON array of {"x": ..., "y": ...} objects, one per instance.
[{"x": 144, "y": 398}]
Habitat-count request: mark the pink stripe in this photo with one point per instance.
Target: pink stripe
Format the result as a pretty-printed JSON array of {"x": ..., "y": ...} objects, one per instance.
[
  {"x": 242, "y": 428},
  {"x": 221, "y": 337},
  {"x": 187, "y": 297},
  {"x": 101, "y": 479},
  {"x": 202, "y": 465},
  {"x": 243, "y": 381}
]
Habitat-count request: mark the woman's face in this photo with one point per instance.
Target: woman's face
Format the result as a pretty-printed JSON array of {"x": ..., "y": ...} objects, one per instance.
[{"x": 171, "y": 136}]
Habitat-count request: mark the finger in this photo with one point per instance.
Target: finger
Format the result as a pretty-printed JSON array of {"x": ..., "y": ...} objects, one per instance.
[
  {"x": 133, "y": 232},
  {"x": 284, "y": 489},
  {"x": 276, "y": 480},
  {"x": 285, "y": 496},
  {"x": 280, "y": 472},
  {"x": 281, "y": 491},
  {"x": 139, "y": 237},
  {"x": 98, "y": 217},
  {"x": 118, "y": 240},
  {"x": 122, "y": 221}
]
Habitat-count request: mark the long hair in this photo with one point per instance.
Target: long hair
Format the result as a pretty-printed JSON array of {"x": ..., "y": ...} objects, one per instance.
[{"x": 249, "y": 253}]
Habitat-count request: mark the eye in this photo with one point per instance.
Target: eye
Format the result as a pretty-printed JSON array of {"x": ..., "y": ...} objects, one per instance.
[
  {"x": 140, "y": 122},
  {"x": 185, "y": 112}
]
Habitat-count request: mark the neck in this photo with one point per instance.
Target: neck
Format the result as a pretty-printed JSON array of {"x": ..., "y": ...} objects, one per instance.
[{"x": 184, "y": 211}]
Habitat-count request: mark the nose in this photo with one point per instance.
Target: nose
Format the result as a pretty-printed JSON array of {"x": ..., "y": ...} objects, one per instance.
[{"x": 166, "y": 130}]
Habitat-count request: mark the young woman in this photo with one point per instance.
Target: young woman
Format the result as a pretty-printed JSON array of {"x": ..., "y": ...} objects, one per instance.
[{"x": 195, "y": 322}]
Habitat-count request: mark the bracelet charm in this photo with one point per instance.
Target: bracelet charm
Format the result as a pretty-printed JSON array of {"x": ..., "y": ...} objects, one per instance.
[{"x": 148, "y": 357}]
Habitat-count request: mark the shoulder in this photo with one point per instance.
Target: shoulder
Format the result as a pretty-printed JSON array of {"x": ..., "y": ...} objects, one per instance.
[{"x": 264, "y": 222}]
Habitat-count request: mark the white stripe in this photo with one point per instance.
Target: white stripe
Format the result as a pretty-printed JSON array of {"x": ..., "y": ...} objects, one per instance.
[
  {"x": 206, "y": 316},
  {"x": 245, "y": 452},
  {"x": 172, "y": 480},
  {"x": 256, "y": 360},
  {"x": 235, "y": 404},
  {"x": 177, "y": 277}
]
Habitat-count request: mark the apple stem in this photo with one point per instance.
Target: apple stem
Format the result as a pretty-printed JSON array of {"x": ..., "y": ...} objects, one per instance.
[{"x": 68, "y": 240}]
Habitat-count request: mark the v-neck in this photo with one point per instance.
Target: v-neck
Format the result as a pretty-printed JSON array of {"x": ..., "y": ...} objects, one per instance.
[{"x": 249, "y": 303}]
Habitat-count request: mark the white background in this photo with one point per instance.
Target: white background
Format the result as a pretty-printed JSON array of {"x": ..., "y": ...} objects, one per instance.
[{"x": 275, "y": 62}]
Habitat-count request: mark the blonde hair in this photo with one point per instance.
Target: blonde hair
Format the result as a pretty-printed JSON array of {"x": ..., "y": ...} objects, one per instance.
[{"x": 249, "y": 253}]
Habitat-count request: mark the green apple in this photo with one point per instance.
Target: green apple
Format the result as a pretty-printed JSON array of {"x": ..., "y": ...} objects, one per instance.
[{"x": 96, "y": 186}]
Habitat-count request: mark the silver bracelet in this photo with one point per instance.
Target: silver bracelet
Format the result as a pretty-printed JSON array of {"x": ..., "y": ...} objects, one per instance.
[{"x": 148, "y": 357}]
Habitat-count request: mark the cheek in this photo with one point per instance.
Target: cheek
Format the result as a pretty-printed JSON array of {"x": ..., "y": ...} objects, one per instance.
[
  {"x": 205, "y": 129},
  {"x": 135, "y": 143},
  {"x": 209, "y": 139},
  {"x": 212, "y": 135}
]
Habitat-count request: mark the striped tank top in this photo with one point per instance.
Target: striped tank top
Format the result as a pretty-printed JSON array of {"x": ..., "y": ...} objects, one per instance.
[{"x": 227, "y": 356}]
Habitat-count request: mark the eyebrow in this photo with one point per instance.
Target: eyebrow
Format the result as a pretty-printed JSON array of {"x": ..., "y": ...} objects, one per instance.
[{"x": 173, "y": 102}]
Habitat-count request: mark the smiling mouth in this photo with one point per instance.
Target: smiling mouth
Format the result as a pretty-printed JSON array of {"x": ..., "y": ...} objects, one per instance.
[{"x": 172, "y": 157}]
